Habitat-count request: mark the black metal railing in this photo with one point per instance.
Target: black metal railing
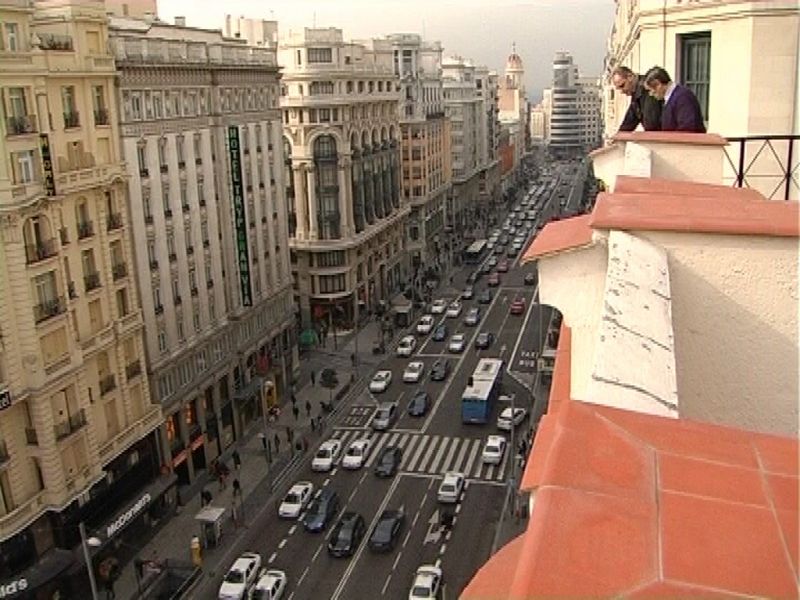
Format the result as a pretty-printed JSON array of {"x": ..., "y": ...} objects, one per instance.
[
  {"x": 114, "y": 221},
  {"x": 119, "y": 270},
  {"x": 72, "y": 119},
  {"x": 20, "y": 125},
  {"x": 85, "y": 229},
  {"x": 64, "y": 235},
  {"x": 133, "y": 369},
  {"x": 71, "y": 291},
  {"x": 101, "y": 116},
  {"x": 91, "y": 281},
  {"x": 31, "y": 436},
  {"x": 70, "y": 425},
  {"x": 49, "y": 308},
  {"x": 107, "y": 384},
  {"x": 770, "y": 160},
  {"x": 41, "y": 250}
]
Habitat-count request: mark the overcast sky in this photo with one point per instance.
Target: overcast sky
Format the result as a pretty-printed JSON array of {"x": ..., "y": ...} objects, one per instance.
[{"x": 482, "y": 30}]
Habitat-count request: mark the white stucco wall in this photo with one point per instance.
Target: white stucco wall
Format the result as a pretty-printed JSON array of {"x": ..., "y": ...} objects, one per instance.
[{"x": 734, "y": 307}]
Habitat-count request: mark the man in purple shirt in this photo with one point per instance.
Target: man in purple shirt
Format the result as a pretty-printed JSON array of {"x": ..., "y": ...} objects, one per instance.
[{"x": 681, "y": 110}]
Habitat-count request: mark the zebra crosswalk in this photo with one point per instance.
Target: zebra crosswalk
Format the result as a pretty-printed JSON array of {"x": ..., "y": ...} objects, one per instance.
[{"x": 430, "y": 454}]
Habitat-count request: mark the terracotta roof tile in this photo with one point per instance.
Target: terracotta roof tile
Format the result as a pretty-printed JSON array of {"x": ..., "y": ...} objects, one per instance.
[
  {"x": 671, "y": 137},
  {"x": 671, "y": 590},
  {"x": 627, "y": 184},
  {"x": 711, "y": 480},
  {"x": 558, "y": 236},
  {"x": 778, "y": 455}
]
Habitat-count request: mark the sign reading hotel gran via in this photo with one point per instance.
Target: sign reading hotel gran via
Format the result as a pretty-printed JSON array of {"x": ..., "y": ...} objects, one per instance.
[{"x": 239, "y": 216}]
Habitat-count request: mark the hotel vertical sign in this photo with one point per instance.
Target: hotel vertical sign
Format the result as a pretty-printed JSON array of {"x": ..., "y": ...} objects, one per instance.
[
  {"x": 239, "y": 216},
  {"x": 47, "y": 165}
]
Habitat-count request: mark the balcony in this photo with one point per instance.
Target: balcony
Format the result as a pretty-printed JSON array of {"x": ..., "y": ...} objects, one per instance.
[
  {"x": 198, "y": 161},
  {"x": 153, "y": 265},
  {"x": 185, "y": 208},
  {"x": 173, "y": 257},
  {"x": 72, "y": 119},
  {"x": 49, "y": 309},
  {"x": 114, "y": 221},
  {"x": 190, "y": 250},
  {"x": 21, "y": 125},
  {"x": 107, "y": 384},
  {"x": 159, "y": 310},
  {"x": 119, "y": 270},
  {"x": 40, "y": 251},
  {"x": 202, "y": 202},
  {"x": 31, "y": 437},
  {"x": 194, "y": 291},
  {"x": 101, "y": 116},
  {"x": 148, "y": 219},
  {"x": 144, "y": 172},
  {"x": 64, "y": 235},
  {"x": 91, "y": 281},
  {"x": 4, "y": 456},
  {"x": 133, "y": 369},
  {"x": 164, "y": 168},
  {"x": 181, "y": 164},
  {"x": 178, "y": 301},
  {"x": 209, "y": 284},
  {"x": 71, "y": 292},
  {"x": 168, "y": 213},
  {"x": 74, "y": 423},
  {"x": 85, "y": 229}
]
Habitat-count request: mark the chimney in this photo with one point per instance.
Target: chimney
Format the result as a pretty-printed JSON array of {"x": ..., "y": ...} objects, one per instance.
[{"x": 180, "y": 21}]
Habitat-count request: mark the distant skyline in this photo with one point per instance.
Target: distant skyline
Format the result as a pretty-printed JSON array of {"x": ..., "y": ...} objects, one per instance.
[{"x": 540, "y": 28}]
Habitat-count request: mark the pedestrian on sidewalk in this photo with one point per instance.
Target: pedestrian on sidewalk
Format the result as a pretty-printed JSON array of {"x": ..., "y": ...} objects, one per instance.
[
  {"x": 223, "y": 473},
  {"x": 205, "y": 497},
  {"x": 313, "y": 377},
  {"x": 237, "y": 460},
  {"x": 295, "y": 411},
  {"x": 308, "y": 408},
  {"x": 235, "y": 513},
  {"x": 237, "y": 488},
  {"x": 313, "y": 424},
  {"x": 277, "y": 443}
]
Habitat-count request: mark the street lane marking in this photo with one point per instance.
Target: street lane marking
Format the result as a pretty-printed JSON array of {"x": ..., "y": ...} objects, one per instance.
[
  {"x": 461, "y": 454},
  {"x": 272, "y": 557},
  {"x": 407, "y": 451},
  {"x": 475, "y": 447},
  {"x": 435, "y": 464},
  {"x": 520, "y": 334},
  {"x": 413, "y": 462},
  {"x": 378, "y": 447},
  {"x": 453, "y": 448},
  {"x": 502, "y": 472},
  {"x": 282, "y": 544},
  {"x": 429, "y": 453},
  {"x": 293, "y": 527},
  {"x": 303, "y": 576}
]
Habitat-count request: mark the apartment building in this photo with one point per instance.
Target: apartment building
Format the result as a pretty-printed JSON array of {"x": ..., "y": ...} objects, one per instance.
[
  {"x": 347, "y": 216},
  {"x": 201, "y": 136},
  {"x": 590, "y": 111},
  {"x": 713, "y": 48},
  {"x": 487, "y": 86},
  {"x": 565, "y": 121},
  {"x": 77, "y": 441},
  {"x": 513, "y": 114},
  {"x": 425, "y": 147}
]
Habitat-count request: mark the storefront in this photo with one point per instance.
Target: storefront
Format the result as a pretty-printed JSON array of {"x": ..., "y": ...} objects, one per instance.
[{"x": 42, "y": 580}]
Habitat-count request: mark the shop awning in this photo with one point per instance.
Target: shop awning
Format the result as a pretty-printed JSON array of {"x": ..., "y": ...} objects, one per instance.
[
  {"x": 49, "y": 566},
  {"x": 252, "y": 388}
]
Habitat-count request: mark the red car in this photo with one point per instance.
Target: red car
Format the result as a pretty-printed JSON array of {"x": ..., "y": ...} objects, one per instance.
[
  {"x": 494, "y": 280},
  {"x": 518, "y": 306},
  {"x": 502, "y": 266}
]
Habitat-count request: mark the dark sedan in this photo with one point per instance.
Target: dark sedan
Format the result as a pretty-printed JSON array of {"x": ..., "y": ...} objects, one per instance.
[
  {"x": 419, "y": 404},
  {"x": 322, "y": 510},
  {"x": 440, "y": 333},
  {"x": 440, "y": 369},
  {"x": 484, "y": 340},
  {"x": 485, "y": 297},
  {"x": 386, "y": 531},
  {"x": 388, "y": 461},
  {"x": 347, "y": 535}
]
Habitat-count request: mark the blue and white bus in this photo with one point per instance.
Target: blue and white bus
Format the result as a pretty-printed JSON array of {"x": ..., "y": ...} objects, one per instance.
[
  {"x": 481, "y": 391},
  {"x": 476, "y": 251}
]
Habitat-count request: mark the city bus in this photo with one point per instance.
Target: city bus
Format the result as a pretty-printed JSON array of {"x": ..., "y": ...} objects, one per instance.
[
  {"x": 476, "y": 252},
  {"x": 481, "y": 391}
]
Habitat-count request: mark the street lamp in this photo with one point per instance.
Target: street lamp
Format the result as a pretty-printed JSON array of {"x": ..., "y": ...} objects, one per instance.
[{"x": 85, "y": 543}]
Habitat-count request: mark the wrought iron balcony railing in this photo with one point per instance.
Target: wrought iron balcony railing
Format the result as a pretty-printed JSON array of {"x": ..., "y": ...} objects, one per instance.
[
  {"x": 770, "y": 163},
  {"x": 85, "y": 229},
  {"x": 49, "y": 309},
  {"x": 20, "y": 125},
  {"x": 119, "y": 270},
  {"x": 40, "y": 251},
  {"x": 91, "y": 281},
  {"x": 114, "y": 221},
  {"x": 70, "y": 425},
  {"x": 72, "y": 119}
]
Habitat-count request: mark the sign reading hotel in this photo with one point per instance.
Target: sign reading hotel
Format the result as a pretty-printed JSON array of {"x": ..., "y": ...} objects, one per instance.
[
  {"x": 239, "y": 216},
  {"x": 47, "y": 165}
]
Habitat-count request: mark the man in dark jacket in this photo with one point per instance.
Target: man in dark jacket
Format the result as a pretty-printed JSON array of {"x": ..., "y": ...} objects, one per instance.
[
  {"x": 643, "y": 108},
  {"x": 682, "y": 110}
]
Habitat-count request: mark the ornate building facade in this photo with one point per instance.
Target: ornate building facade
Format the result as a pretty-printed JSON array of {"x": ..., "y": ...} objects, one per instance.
[{"x": 342, "y": 148}]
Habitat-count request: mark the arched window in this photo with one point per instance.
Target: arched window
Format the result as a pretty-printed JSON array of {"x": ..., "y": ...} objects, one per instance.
[{"x": 325, "y": 148}]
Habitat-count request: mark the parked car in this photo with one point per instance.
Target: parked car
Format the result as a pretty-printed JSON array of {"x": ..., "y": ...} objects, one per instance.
[
  {"x": 440, "y": 370},
  {"x": 386, "y": 531},
  {"x": 427, "y": 583},
  {"x": 419, "y": 404},
  {"x": 456, "y": 343},
  {"x": 494, "y": 280},
  {"x": 385, "y": 416},
  {"x": 241, "y": 577},
  {"x": 413, "y": 371},
  {"x": 439, "y": 306},
  {"x": 440, "y": 333},
  {"x": 507, "y": 419},
  {"x": 270, "y": 586},
  {"x": 485, "y": 297},
  {"x": 380, "y": 381},
  {"x": 295, "y": 500},
  {"x": 493, "y": 450},
  {"x": 517, "y": 306},
  {"x": 327, "y": 455},
  {"x": 406, "y": 346},
  {"x": 388, "y": 461},
  {"x": 346, "y": 535},
  {"x": 451, "y": 487},
  {"x": 454, "y": 309},
  {"x": 425, "y": 324},
  {"x": 484, "y": 340},
  {"x": 473, "y": 316},
  {"x": 356, "y": 453},
  {"x": 321, "y": 511}
]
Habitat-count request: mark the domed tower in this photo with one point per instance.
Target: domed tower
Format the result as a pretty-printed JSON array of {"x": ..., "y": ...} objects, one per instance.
[{"x": 514, "y": 69}]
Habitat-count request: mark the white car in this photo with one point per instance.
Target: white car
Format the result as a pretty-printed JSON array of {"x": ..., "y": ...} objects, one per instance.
[
  {"x": 451, "y": 487},
  {"x": 380, "y": 381},
  {"x": 454, "y": 309},
  {"x": 240, "y": 577},
  {"x": 493, "y": 450},
  {"x": 271, "y": 585},
  {"x": 425, "y": 325},
  {"x": 413, "y": 372},
  {"x": 295, "y": 500},
  {"x": 439, "y": 306},
  {"x": 356, "y": 453},
  {"x": 426, "y": 584},
  {"x": 505, "y": 421},
  {"x": 326, "y": 456},
  {"x": 468, "y": 293},
  {"x": 457, "y": 342},
  {"x": 406, "y": 346}
]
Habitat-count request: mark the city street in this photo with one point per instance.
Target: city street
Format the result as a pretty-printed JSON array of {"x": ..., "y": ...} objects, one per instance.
[{"x": 431, "y": 445}]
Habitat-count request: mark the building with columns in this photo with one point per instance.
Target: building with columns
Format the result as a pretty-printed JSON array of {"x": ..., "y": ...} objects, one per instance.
[
  {"x": 347, "y": 217},
  {"x": 201, "y": 135},
  {"x": 77, "y": 425},
  {"x": 425, "y": 148}
]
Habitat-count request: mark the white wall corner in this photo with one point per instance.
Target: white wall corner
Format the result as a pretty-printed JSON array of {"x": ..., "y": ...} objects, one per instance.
[
  {"x": 634, "y": 353},
  {"x": 638, "y": 161}
]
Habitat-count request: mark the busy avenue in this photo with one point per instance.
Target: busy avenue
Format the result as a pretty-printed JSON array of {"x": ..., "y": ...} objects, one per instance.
[{"x": 401, "y": 497}]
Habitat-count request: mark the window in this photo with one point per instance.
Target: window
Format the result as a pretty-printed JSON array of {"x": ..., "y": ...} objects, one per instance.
[
  {"x": 12, "y": 37},
  {"x": 140, "y": 154},
  {"x": 192, "y": 279},
  {"x": 329, "y": 284},
  {"x": 170, "y": 243},
  {"x": 175, "y": 287},
  {"x": 158, "y": 106},
  {"x": 196, "y": 322},
  {"x": 695, "y": 66},
  {"x": 208, "y": 271},
  {"x": 25, "y": 171},
  {"x": 320, "y": 55},
  {"x": 151, "y": 250},
  {"x": 324, "y": 115},
  {"x": 321, "y": 87},
  {"x": 136, "y": 106},
  {"x": 181, "y": 333},
  {"x": 17, "y": 101},
  {"x": 157, "y": 297},
  {"x": 162, "y": 347},
  {"x": 334, "y": 258}
]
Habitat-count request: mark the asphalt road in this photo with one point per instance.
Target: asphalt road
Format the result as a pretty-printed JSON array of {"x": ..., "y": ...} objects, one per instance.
[{"x": 432, "y": 445}]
